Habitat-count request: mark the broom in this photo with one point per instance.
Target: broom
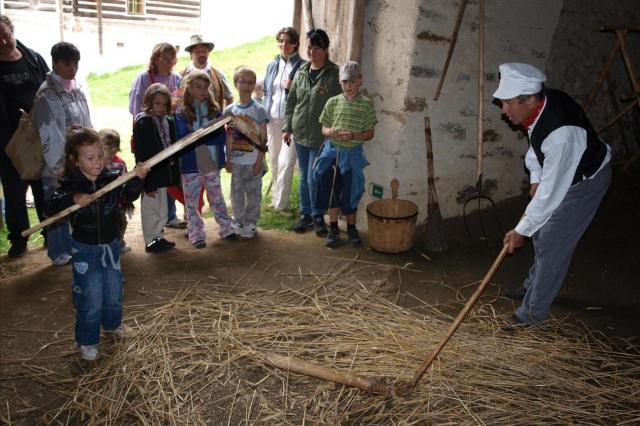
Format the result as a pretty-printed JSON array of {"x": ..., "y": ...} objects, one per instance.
[{"x": 436, "y": 233}]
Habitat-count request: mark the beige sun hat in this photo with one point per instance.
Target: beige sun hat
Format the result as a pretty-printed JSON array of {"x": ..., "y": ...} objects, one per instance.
[{"x": 197, "y": 39}]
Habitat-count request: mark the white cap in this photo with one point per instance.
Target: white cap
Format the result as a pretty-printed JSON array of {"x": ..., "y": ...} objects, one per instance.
[
  {"x": 519, "y": 79},
  {"x": 350, "y": 70}
]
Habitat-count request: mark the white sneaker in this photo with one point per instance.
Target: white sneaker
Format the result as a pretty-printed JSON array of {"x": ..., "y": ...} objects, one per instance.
[
  {"x": 62, "y": 260},
  {"x": 248, "y": 231},
  {"x": 89, "y": 352},
  {"x": 121, "y": 331},
  {"x": 124, "y": 247}
]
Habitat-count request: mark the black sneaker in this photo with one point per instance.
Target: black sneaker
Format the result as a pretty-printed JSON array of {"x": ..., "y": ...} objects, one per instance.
[
  {"x": 354, "y": 237},
  {"x": 319, "y": 226},
  {"x": 159, "y": 245},
  {"x": 304, "y": 224},
  {"x": 515, "y": 293},
  {"x": 231, "y": 237},
  {"x": 514, "y": 324},
  {"x": 176, "y": 223},
  {"x": 333, "y": 238},
  {"x": 18, "y": 249}
]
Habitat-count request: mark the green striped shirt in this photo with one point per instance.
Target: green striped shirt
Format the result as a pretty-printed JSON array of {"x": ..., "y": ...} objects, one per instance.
[{"x": 356, "y": 115}]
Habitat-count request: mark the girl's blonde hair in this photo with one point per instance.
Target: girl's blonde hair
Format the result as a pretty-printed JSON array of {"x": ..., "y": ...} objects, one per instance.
[
  {"x": 151, "y": 92},
  {"x": 188, "y": 110},
  {"x": 84, "y": 136}
]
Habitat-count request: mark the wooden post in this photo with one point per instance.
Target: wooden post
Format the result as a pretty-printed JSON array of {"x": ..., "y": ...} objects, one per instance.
[
  {"x": 61, "y": 19},
  {"x": 297, "y": 16},
  {"x": 356, "y": 29},
  {"x": 308, "y": 15},
  {"x": 620, "y": 34},
  {"x": 601, "y": 77},
  {"x": 481, "y": 93},
  {"x": 99, "y": 12}
]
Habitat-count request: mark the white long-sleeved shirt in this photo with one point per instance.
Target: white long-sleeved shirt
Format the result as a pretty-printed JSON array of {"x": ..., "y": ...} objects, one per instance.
[
  {"x": 562, "y": 149},
  {"x": 279, "y": 97}
]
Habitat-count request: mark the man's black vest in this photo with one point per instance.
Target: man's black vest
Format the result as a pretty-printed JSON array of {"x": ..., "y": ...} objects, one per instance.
[{"x": 560, "y": 110}]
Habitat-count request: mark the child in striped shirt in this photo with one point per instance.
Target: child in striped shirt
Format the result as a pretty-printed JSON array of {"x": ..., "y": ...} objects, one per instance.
[{"x": 347, "y": 122}]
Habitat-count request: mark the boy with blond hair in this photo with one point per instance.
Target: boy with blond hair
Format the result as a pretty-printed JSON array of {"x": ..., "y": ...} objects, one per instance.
[
  {"x": 347, "y": 122},
  {"x": 245, "y": 161}
]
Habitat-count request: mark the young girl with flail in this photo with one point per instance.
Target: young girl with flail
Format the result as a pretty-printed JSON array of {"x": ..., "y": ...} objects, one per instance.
[
  {"x": 154, "y": 130},
  {"x": 201, "y": 163},
  {"x": 95, "y": 241}
]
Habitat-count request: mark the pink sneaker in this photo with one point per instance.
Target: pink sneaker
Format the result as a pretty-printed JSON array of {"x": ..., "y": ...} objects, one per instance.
[
  {"x": 121, "y": 331},
  {"x": 89, "y": 352}
]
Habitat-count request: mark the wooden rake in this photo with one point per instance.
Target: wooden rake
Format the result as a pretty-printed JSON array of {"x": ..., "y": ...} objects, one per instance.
[{"x": 384, "y": 386}]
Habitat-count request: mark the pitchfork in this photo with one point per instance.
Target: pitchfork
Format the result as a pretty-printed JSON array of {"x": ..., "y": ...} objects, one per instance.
[{"x": 479, "y": 195}]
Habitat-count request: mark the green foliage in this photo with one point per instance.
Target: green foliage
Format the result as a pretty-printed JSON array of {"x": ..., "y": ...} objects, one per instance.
[
  {"x": 112, "y": 88},
  {"x": 35, "y": 240}
]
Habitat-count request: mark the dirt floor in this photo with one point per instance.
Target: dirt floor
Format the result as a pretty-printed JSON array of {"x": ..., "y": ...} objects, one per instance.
[{"x": 37, "y": 316}]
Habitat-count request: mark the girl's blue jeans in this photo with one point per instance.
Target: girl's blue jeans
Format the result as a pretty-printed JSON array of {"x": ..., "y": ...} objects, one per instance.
[{"x": 97, "y": 289}]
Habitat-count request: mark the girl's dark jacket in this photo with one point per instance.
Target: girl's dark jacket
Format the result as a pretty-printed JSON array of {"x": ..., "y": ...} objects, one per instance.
[
  {"x": 98, "y": 222},
  {"x": 148, "y": 144}
]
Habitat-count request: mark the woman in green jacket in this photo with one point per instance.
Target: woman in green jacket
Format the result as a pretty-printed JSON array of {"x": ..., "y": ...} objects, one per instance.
[{"x": 314, "y": 83}]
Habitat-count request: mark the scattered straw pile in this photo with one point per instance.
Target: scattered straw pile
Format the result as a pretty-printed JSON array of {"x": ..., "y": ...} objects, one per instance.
[{"x": 197, "y": 360}]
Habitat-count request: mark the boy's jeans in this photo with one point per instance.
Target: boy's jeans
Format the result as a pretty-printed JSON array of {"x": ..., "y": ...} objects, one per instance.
[
  {"x": 306, "y": 157},
  {"x": 97, "y": 289}
]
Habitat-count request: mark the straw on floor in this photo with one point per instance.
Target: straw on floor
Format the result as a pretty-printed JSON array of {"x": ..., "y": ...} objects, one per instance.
[{"x": 198, "y": 360}]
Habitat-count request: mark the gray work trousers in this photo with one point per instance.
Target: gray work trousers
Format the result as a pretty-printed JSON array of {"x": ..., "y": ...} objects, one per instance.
[
  {"x": 555, "y": 242},
  {"x": 246, "y": 195}
]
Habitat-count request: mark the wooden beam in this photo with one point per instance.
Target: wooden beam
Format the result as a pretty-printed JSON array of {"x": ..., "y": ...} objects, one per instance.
[{"x": 356, "y": 29}]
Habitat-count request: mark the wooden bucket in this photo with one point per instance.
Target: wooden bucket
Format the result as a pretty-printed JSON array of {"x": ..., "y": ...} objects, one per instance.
[{"x": 391, "y": 223}]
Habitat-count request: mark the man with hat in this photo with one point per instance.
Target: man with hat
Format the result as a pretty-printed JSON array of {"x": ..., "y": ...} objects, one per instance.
[
  {"x": 199, "y": 50},
  {"x": 569, "y": 175}
]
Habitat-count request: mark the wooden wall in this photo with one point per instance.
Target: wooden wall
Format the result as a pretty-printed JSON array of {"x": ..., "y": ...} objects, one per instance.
[
  {"x": 182, "y": 10},
  {"x": 343, "y": 20}
]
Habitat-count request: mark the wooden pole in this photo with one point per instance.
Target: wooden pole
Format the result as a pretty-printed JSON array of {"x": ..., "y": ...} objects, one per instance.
[
  {"x": 308, "y": 15},
  {"x": 454, "y": 38},
  {"x": 99, "y": 12},
  {"x": 61, "y": 19},
  {"x": 355, "y": 29},
  {"x": 480, "y": 95},
  {"x": 162, "y": 155},
  {"x": 463, "y": 313},
  {"x": 601, "y": 77},
  {"x": 620, "y": 34},
  {"x": 303, "y": 367}
]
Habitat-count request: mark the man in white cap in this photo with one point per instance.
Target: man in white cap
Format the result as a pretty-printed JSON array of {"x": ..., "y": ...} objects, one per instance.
[
  {"x": 569, "y": 175},
  {"x": 199, "y": 49}
]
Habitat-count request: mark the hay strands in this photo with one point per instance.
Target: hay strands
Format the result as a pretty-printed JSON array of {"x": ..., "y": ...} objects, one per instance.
[
  {"x": 461, "y": 316},
  {"x": 242, "y": 125}
]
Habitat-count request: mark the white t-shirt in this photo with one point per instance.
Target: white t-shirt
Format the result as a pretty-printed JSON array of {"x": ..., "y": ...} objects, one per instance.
[{"x": 243, "y": 152}]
